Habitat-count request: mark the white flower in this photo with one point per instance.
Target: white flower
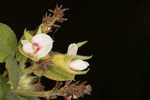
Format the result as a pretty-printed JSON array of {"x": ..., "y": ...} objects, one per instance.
[
  {"x": 76, "y": 64},
  {"x": 39, "y": 47},
  {"x": 72, "y": 49}
]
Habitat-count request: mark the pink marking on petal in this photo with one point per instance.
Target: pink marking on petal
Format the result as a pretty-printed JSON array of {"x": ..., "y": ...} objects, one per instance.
[
  {"x": 38, "y": 47},
  {"x": 70, "y": 68}
]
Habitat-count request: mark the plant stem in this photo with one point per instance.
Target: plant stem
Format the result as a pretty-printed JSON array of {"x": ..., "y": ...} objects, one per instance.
[{"x": 36, "y": 94}]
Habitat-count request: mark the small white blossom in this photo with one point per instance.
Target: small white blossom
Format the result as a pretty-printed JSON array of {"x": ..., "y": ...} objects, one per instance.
[
  {"x": 76, "y": 64},
  {"x": 72, "y": 49},
  {"x": 39, "y": 47}
]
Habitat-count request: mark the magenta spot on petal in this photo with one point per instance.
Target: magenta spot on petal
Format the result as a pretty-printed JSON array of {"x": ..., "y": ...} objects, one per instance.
[
  {"x": 37, "y": 49},
  {"x": 70, "y": 68}
]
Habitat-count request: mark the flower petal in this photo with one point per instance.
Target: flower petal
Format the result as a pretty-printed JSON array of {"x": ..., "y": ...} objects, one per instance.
[
  {"x": 72, "y": 49},
  {"x": 42, "y": 39},
  {"x": 78, "y": 64},
  {"x": 45, "y": 42},
  {"x": 43, "y": 51},
  {"x": 27, "y": 46}
]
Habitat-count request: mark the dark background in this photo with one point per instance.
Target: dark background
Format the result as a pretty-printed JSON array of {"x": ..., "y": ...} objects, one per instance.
[{"x": 118, "y": 33}]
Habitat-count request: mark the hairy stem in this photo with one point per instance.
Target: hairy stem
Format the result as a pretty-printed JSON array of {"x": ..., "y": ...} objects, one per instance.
[{"x": 36, "y": 94}]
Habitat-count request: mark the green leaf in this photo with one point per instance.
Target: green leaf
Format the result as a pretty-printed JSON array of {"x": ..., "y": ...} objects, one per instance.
[
  {"x": 54, "y": 72},
  {"x": 39, "y": 30},
  {"x": 13, "y": 70},
  {"x": 8, "y": 42}
]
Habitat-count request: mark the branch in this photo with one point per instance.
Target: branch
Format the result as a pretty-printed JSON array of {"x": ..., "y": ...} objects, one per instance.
[{"x": 69, "y": 90}]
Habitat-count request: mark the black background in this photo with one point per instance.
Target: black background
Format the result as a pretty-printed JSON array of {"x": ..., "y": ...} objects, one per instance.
[{"x": 118, "y": 33}]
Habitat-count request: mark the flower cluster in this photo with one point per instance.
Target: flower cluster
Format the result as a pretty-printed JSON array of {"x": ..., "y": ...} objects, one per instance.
[
  {"x": 32, "y": 57},
  {"x": 38, "y": 47},
  {"x": 41, "y": 45}
]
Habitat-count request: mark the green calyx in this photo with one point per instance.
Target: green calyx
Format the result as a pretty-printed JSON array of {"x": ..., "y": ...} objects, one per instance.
[{"x": 62, "y": 61}]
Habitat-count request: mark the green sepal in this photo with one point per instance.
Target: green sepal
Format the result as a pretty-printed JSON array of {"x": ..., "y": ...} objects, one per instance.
[
  {"x": 27, "y": 35},
  {"x": 79, "y": 44},
  {"x": 55, "y": 73},
  {"x": 39, "y": 30},
  {"x": 82, "y": 57}
]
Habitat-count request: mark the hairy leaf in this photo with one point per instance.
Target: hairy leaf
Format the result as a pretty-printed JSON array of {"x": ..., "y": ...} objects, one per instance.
[{"x": 7, "y": 42}]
